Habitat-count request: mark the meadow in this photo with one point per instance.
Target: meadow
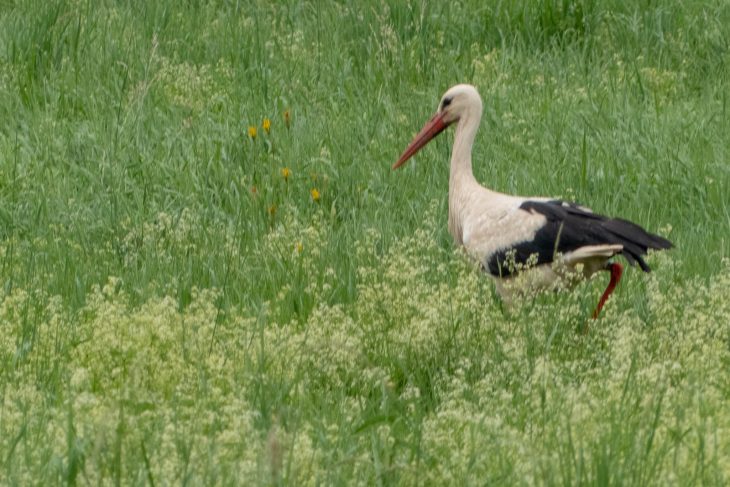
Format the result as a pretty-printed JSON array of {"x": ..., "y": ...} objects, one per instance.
[{"x": 209, "y": 275}]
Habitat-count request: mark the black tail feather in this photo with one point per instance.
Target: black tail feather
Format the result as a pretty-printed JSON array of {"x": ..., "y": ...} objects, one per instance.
[
  {"x": 636, "y": 241},
  {"x": 570, "y": 226}
]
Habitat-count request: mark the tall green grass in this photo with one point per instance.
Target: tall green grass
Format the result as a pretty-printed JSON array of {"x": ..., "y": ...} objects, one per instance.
[{"x": 173, "y": 309}]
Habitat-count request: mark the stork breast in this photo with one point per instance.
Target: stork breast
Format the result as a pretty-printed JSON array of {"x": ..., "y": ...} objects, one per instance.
[{"x": 487, "y": 233}]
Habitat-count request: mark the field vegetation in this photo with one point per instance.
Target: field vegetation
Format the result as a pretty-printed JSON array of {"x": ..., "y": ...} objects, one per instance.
[{"x": 210, "y": 275}]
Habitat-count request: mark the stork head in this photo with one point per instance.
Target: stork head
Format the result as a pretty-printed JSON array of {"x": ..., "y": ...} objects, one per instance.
[{"x": 458, "y": 102}]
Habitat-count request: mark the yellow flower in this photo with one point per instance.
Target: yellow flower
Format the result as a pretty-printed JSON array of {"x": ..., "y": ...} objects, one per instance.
[
  {"x": 315, "y": 194},
  {"x": 299, "y": 247},
  {"x": 266, "y": 125},
  {"x": 252, "y": 132},
  {"x": 285, "y": 173},
  {"x": 287, "y": 118}
]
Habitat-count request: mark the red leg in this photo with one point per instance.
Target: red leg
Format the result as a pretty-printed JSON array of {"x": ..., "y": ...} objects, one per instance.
[{"x": 616, "y": 271}]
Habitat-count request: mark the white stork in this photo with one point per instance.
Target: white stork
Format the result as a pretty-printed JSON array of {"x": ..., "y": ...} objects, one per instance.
[{"x": 551, "y": 238}]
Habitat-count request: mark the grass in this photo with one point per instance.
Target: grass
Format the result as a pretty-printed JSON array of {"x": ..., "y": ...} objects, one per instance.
[{"x": 174, "y": 310}]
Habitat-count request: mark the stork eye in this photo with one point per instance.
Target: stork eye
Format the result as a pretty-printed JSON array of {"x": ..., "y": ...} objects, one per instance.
[{"x": 446, "y": 102}]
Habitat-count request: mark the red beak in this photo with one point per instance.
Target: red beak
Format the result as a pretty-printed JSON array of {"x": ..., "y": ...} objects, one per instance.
[{"x": 432, "y": 128}]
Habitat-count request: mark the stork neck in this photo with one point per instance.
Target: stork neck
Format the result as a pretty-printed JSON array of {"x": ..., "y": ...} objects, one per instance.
[{"x": 461, "y": 172}]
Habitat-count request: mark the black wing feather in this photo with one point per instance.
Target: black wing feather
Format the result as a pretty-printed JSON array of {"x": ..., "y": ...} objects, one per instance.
[{"x": 570, "y": 227}]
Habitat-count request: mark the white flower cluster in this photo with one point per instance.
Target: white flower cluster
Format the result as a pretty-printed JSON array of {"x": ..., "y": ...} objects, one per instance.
[{"x": 420, "y": 378}]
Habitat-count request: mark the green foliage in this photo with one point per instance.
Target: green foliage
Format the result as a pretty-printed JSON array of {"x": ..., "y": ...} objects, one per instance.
[
  {"x": 178, "y": 303},
  {"x": 421, "y": 378}
]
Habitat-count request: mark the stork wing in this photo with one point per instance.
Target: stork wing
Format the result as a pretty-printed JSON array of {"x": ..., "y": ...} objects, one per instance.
[{"x": 569, "y": 227}]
